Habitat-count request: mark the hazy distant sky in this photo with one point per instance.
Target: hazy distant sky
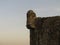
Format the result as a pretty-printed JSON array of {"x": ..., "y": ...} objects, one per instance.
[{"x": 13, "y": 18}]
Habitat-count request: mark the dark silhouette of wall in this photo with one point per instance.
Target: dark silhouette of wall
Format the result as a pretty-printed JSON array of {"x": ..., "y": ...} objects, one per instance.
[{"x": 43, "y": 31}]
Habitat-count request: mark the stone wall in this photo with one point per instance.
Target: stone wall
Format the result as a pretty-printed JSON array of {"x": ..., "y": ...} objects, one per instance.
[{"x": 43, "y": 31}]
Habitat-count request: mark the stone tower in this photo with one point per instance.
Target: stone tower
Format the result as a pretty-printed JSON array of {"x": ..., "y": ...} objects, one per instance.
[{"x": 43, "y": 31}]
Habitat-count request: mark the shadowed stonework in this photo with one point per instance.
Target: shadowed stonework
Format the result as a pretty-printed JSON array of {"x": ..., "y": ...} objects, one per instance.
[{"x": 43, "y": 31}]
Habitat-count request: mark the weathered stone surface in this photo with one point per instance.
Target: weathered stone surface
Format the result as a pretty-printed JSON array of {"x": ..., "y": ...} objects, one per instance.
[{"x": 43, "y": 31}]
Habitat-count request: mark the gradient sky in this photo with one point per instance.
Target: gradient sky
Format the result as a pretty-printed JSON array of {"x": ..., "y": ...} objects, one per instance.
[{"x": 13, "y": 18}]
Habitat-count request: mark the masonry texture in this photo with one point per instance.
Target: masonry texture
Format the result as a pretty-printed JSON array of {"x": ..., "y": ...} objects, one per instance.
[{"x": 43, "y": 31}]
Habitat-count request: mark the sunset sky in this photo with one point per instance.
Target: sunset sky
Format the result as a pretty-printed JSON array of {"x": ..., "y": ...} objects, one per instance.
[{"x": 13, "y": 29}]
